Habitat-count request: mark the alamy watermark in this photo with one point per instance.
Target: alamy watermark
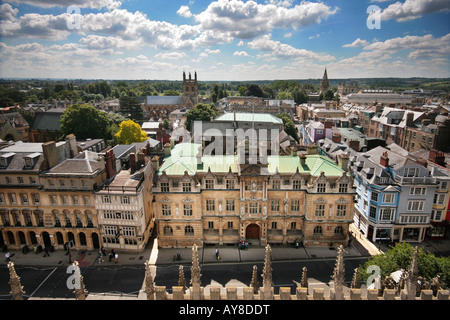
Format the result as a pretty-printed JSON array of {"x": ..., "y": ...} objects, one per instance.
[
  {"x": 74, "y": 18},
  {"x": 74, "y": 280},
  {"x": 374, "y": 18}
]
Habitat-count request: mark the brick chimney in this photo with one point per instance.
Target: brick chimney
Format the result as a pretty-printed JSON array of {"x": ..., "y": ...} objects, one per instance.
[
  {"x": 110, "y": 164},
  {"x": 437, "y": 157},
  {"x": 336, "y": 138},
  {"x": 422, "y": 162},
  {"x": 132, "y": 162},
  {"x": 50, "y": 153},
  {"x": 384, "y": 159},
  {"x": 354, "y": 144}
]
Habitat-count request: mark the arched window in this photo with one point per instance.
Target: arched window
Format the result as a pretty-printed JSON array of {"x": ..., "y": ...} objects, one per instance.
[
  {"x": 318, "y": 231},
  {"x": 168, "y": 231},
  {"x": 189, "y": 231},
  {"x": 338, "y": 231}
]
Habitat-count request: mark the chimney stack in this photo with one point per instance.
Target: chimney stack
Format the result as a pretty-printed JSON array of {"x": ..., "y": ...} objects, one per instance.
[
  {"x": 343, "y": 160},
  {"x": 384, "y": 159},
  {"x": 302, "y": 159},
  {"x": 155, "y": 163},
  {"x": 50, "y": 153},
  {"x": 354, "y": 144},
  {"x": 132, "y": 162},
  {"x": 110, "y": 163},
  {"x": 336, "y": 138},
  {"x": 71, "y": 140},
  {"x": 167, "y": 149},
  {"x": 311, "y": 149}
]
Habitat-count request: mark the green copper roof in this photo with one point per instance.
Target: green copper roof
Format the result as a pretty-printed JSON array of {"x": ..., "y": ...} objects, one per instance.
[
  {"x": 257, "y": 117},
  {"x": 183, "y": 158}
]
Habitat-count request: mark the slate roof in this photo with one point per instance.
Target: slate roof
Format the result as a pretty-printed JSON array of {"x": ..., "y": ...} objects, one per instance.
[
  {"x": 47, "y": 121},
  {"x": 164, "y": 100}
]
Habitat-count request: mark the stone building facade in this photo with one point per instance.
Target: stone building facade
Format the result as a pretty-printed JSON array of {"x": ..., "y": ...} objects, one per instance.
[
  {"x": 202, "y": 199},
  {"x": 46, "y": 195}
]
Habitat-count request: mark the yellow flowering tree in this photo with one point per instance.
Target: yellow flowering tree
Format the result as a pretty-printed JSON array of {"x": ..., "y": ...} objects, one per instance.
[{"x": 130, "y": 132}]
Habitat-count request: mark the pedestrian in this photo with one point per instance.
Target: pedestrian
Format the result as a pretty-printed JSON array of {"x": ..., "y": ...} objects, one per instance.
[
  {"x": 46, "y": 252},
  {"x": 116, "y": 257},
  {"x": 217, "y": 253},
  {"x": 70, "y": 258},
  {"x": 110, "y": 256},
  {"x": 7, "y": 257},
  {"x": 246, "y": 245},
  {"x": 100, "y": 257},
  {"x": 103, "y": 251}
]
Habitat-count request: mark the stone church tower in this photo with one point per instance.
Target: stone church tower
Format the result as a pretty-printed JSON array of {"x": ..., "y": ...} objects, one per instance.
[
  {"x": 324, "y": 83},
  {"x": 190, "y": 91}
]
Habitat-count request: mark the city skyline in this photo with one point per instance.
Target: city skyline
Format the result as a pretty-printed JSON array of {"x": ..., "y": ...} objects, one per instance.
[{"x": 228, "y": 40}]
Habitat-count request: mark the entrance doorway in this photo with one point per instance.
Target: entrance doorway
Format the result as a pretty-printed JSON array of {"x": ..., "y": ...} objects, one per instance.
[
  {"x": 253, "y": 231},
  {"x": 46, "y": 239}
]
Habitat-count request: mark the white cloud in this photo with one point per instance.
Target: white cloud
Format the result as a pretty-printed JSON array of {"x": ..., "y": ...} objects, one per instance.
[
  {"x": 97, "y": 42},
  {"x": 314, "y": 37},
  {"x": 285, "y": 51},
  {"x": 420, "y": 47},
  {"x": 7, "y": 13},
  {"x": 413, "y": 9},
  {"x": 241, "y": 54},
  {"x": 33, "y": 25},
  {"x": 247, "y": 20},
  {"x": 93, "y": 4},
  {"x": 170, "y": 55},
  {"x": 209, "y": 51},
  {"x": 241, "y": 43},
  {"x": 357, "y": 43},
  {"x": 185, "y": 12}
]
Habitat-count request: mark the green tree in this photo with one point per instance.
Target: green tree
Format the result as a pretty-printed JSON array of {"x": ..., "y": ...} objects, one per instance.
[
  {"x": 84, "y": 121},
  {"x": 399, "y": 257},
  {"x": 284, "y": 95},
  {"x": 130, "y": 132},
  {"x": 254, "y": 90},
  {"x": 171, "y": 93},
  {"x": 242, "y": 91},
  {"x": 131, "y": 108},
  {"x": 289, "y": 125},
  {"x": 299, "y": 96},
  {"x": 201, "y": 112}
]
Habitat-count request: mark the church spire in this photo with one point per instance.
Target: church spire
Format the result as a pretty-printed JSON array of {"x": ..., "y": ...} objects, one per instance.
[{"x": 324, "y": 83}]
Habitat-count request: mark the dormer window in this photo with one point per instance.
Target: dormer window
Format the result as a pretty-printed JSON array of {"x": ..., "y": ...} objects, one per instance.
[{"x": 5, "y": 158}]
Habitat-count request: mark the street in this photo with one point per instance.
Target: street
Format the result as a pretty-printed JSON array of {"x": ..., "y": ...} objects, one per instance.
[{"x": 50, "y": 282}]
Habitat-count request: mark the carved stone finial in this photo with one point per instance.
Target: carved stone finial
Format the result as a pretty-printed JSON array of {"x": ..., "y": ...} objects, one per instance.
[
  {"x": 14, "y": 281},
  {"x": 339, "y": 274},
  {"x": 255, "y": 283},
  {"x": 355, "y": 281},
  {"x": 148, "y": 281},
  {"x": 304, "y": 281},
  {"x": 181, "y": 279},
  {"x": 267, "y": 276}
]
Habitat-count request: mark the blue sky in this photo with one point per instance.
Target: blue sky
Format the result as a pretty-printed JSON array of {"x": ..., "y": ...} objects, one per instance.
[{"x": 223, "y": 39}]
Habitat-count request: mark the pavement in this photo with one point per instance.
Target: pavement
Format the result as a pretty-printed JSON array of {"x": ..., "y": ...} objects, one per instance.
[{"x": 359, "y": 247}]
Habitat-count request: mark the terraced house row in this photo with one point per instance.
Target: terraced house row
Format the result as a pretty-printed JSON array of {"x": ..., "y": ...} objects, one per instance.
[{"x": 53, "y": 195}]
